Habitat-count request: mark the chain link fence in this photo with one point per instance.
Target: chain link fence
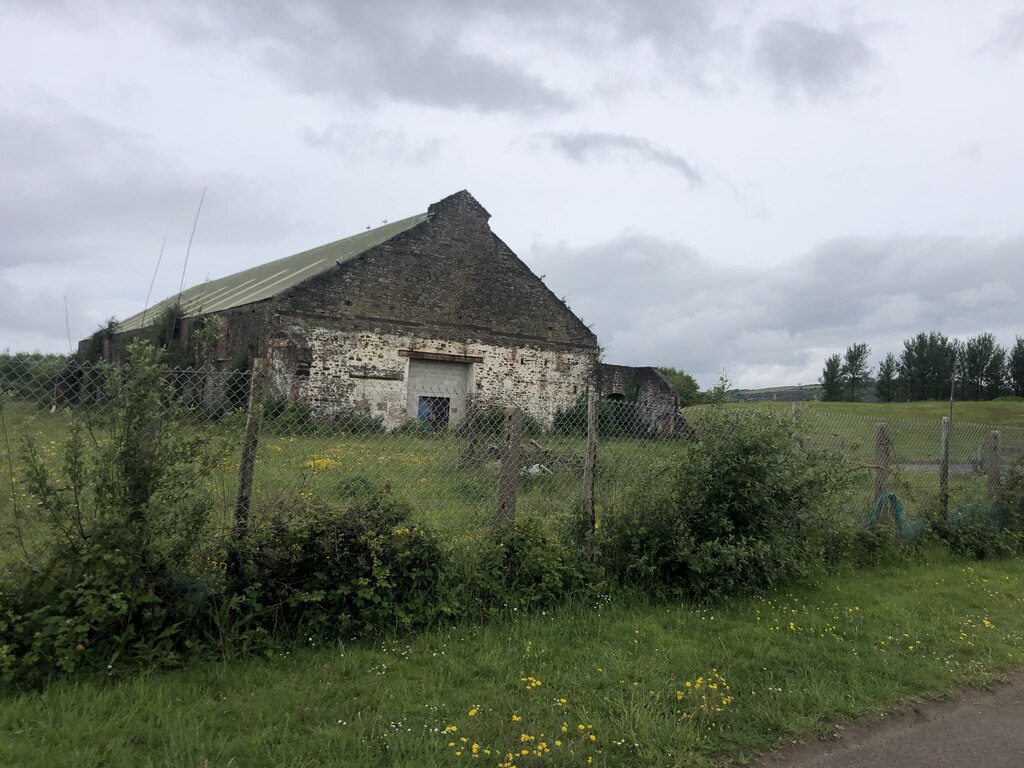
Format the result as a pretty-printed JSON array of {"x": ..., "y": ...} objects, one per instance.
[
  {"x": 464, "y": 464},
  {"x": 933, "y": 465}
]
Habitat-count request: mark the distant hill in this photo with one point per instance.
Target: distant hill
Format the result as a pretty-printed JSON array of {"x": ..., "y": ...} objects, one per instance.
[{"x": 775, "y": 394}]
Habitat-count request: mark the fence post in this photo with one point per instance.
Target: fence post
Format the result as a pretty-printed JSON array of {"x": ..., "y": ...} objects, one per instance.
[
  {"x": 993, "y": 464},
  {"x": 508, "y": 480},
  {"x": 883, "y": 458},
  {"x": 247, "y": 464},
  {"x": 944, "y": 466},
  {"x": 590, "y": 462}
]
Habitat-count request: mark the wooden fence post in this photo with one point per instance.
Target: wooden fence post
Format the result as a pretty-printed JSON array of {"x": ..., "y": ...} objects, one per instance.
[
  {"x": 883, "y": 458},
  {"x": 508, "y": 480},
  {"x": 247, "y": 465},
  {"x": 944, "y": 466},
  {"x": 993, "y": 463},
  {"x": 590, "y": 462}
]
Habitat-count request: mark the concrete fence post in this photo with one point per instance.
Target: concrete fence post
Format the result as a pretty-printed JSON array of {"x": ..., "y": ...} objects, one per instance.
[
  {"x": 590, "y": 462},
  {"x": 993, "y": 462},
  {"x": 883, "y": 458},
  {"x": 947, "y": 426},
  {"x": 508, "y": 480},
  {"x": 250, "y": 445}
]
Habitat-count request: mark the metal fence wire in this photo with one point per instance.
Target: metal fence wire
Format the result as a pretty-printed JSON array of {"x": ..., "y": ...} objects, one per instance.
[{"x": 464, "y": 464}]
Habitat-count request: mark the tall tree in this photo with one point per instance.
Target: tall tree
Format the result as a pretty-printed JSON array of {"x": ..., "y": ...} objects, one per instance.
[
  {"x": 981, "y": 368},
  {"x": 855, "y": 367},
  {"x": 887, "y": 384},
  {"x": 684, "y": 384},
  {"x": 927, "y": 366},
  {"x": 831, "y": 379},
  {"x": 997, "y": 375},
  {"x": 1016, "y": 368}
]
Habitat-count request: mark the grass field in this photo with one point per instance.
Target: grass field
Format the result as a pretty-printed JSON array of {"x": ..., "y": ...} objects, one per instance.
[
  {"x": 915, "y": 428},
  {"x": 623, "y": 682},
  {"x": 1005, "y": 411}
]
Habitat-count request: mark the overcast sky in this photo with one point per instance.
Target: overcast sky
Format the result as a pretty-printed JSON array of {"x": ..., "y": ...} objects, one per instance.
[{"x": 737, "y": 185}]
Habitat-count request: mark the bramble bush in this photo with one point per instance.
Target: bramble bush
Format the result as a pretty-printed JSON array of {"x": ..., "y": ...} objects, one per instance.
[
  {"x": 987, "y": 529},
  {"x": 334, "y": 573},
  {"x": 743, "y": 509},
  {"x": 521, "y": 568}
]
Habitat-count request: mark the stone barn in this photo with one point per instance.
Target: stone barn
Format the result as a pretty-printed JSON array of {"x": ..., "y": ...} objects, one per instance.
[{"x": 416, "y": 319}]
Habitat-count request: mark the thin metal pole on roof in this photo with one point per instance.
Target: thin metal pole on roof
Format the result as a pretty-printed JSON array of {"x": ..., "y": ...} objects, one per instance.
[
  {"x": 152, "y": 282},
  {"x": 181, "y": 285}
]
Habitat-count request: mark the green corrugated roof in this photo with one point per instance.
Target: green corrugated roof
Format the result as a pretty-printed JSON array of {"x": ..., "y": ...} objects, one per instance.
[{"x": 266, "y": 280}]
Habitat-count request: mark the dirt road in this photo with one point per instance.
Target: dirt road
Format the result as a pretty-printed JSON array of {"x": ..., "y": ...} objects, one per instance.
[{"x": 978, "y": 728}]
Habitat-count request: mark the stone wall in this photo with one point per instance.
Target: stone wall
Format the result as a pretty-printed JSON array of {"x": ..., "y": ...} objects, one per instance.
[
  {"x": 647, "y": 387},
  {"x": 368, "y": 372},
  {"x": 448, "y": 278}
]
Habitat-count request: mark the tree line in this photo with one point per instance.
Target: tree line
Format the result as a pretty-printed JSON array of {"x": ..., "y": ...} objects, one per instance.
[{"x": 931, "y": 366}]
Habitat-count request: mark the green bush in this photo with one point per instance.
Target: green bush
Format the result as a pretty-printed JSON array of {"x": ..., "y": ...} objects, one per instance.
[
  {"x": 32, "y": 376},
  {"x": 336, "y": 573},
  {"x": 615, "y": 418},
  {"x": 490, "y": 420},
  {"x": 987, "y": 528},
  {"x": 875, "y": 545},
  {"x": 521, "y": 568},
  {"x": 744, "y": 509},
  {"x": 95, "y": 608},
  {"x": 291, "y": 418},
  {"x": 125, "y": 570}
]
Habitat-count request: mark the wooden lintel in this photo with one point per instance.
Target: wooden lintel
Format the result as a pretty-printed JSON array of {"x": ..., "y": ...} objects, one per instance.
[
  {"x": 380, "y": 375},
  {"x": 416, "y": 355}
]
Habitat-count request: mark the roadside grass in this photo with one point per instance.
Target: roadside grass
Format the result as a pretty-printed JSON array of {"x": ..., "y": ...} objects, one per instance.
[{"x": 625, "y": 681}]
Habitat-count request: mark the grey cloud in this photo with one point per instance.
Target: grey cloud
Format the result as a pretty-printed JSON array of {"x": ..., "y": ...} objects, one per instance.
[
  {"x": 438, "y": 52},
  {"x": 656, "y": 302},
  {"x": 36, "y": 319},
  {"x": 84, "y": 207},
  {"x": 365, "y": 51},
  {"x": 928, "y": 280},
  {"x": 354, "y": 141},
  {"x": 802, "y": 59},
  {"x": 76, "y": 188},
  {"x": 692, "y": 40},
  {"x": 585, "y": 146},
  {"x": 1009, "y": 38}
]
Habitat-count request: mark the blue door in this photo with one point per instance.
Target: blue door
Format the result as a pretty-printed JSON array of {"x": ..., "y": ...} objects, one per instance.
[{"x": 433, "y": 412}]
